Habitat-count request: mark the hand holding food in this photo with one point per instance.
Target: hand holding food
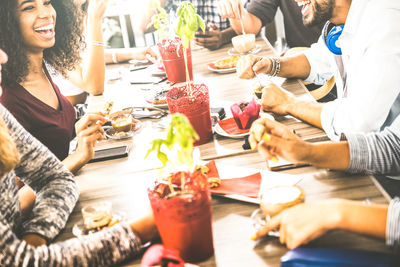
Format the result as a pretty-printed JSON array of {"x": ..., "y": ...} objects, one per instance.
[
  {"x": 274, "y": 140},
  {"x": 303, "y": 223},
  {"x": 250, "y": 64}
]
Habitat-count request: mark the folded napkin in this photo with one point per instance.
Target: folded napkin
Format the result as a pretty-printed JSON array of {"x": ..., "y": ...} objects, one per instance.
[
  {"x": 230, "y": 127},
  {"x": 248, "y": 186}
]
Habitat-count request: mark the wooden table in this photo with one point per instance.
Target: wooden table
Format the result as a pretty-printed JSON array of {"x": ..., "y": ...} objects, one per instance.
[{"x": 124, "y": 181}]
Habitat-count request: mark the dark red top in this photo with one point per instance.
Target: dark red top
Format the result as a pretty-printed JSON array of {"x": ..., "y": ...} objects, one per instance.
[{"x": 54, "y": 128}]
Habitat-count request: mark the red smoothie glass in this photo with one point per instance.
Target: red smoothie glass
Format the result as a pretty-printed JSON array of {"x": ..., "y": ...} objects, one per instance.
[
  {"x": 195, "y": 105},
  {"x": 171, "y": 51},
  {"x": 183, "y": 217}
]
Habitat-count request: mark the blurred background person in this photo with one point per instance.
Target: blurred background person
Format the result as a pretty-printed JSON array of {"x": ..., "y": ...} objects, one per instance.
[
  {"x": 218, "y": 30},
  {"x": 258, "y": 13}
]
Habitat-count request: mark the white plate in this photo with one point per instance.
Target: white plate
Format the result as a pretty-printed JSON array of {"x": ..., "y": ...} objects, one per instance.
[
  {"x": 110, "y": 131},
  {"x": 214, "y": 69},
  {"x": 221, "y": 132},
  {"x": 155, "y": 71},
  {"x": 79, "y": 228},
  {"x": 158, "y": 105},
  {"x": 255, "y": 50}
]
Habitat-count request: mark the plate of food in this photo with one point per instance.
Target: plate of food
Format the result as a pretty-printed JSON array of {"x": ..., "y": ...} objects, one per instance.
[
  {"x": 255, "y": 50},
  {"x": 218, "y": 129},
  {"x": 224, "y": 65},
  {"x": 96, "y": 217},
  {"x": 159, "y": 100},
  {"x": 123, "y": 126}
]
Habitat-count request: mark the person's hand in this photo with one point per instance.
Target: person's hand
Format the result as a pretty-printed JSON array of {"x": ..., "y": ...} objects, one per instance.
[
  {"x": 96, "y": 9},
  {"x": 211, "y": 39},
  {"x": 88, "y": 131},
  {"x": 145, "y": 53},
  {"x": 274, "y": 140},
  {"x": 232, "y": 9},
  {"x": 34, "y": 240},
  {"x": 276, "y": 99},
  {"x": 145, "y": 227},
  {"x": 303, "y": 223},
  {"x": 248, "y": 65},
  {"x": 89, "y": 120}
]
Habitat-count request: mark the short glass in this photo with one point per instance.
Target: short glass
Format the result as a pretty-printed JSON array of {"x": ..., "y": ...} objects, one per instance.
[{"x": 259, "y": 219}]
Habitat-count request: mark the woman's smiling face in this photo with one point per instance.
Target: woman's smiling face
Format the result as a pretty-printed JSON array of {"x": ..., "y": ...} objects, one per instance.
[{"x": 37, "y": 19}]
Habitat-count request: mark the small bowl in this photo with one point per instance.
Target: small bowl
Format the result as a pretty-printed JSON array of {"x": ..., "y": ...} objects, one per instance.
[
  {"x": 244, "y": 43},
  {"x": 121, "y": 121}
]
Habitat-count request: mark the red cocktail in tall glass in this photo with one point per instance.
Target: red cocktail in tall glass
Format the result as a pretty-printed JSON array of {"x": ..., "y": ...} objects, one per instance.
[
  {"x": 182, "y": 211},
  {"x": 194, "y": 103},
  {"x": 171, "y": 51}
]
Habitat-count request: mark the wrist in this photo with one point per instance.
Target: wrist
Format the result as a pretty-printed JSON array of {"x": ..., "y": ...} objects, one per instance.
[
  {"x": 290, "y": 104},
  {"x": 338, "y": 214},
  {"x": 227, "y": 35},
  {"x": 145, "y": 228}
]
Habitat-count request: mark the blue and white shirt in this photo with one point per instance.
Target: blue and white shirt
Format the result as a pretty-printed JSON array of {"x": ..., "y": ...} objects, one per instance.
[{"x": 379, "y": 152}]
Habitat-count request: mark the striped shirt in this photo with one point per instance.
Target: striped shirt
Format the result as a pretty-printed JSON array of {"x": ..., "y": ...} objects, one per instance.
[
  {"x": 56, "y": 195},
  {"x": 207, "y": 9},
  {"x": 379, "y": 152}
]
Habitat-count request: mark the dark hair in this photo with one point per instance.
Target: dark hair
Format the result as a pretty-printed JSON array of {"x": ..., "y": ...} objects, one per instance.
[{"x": 63, "y": 56}]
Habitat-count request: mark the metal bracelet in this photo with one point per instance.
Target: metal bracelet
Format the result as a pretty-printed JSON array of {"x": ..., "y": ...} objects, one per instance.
[
  {"x": 272, "y": 66},
  {"x": 97, "y": 43},
  {"x": 277, "y": 67}
]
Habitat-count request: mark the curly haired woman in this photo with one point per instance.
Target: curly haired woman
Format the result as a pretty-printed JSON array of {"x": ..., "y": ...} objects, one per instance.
[
  {"x": 23, "y": 155},
  {"x": 31, "y": 33}
]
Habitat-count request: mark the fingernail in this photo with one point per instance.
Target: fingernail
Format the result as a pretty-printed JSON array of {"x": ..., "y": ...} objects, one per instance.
[
  {"x": 274, "y": 159},
  {"x": 253, "y": 237},
  {"x": 252, "y": 146},
  {"x": 266, "y": 137}
]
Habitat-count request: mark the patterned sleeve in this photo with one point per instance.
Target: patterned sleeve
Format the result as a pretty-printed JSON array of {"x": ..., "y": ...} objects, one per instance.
[
  {"x": 55, "y": 187},
  {"x": 104, "y": 248},
  {"x": 393, "y": 224},
  {"x": 377, "y": 152}
]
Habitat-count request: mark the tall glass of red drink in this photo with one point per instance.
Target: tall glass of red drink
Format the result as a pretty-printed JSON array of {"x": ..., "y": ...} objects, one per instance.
[
  {"x": 194, "y": 103},
  {"x": 183, "y": 217}
]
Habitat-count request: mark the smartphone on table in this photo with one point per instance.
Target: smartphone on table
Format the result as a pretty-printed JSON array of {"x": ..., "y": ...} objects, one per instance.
[{"x": 110, "y": 153}]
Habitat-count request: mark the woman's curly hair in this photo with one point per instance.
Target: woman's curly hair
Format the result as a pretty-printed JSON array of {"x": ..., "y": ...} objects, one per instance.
[{"x": 63, "y": 56}]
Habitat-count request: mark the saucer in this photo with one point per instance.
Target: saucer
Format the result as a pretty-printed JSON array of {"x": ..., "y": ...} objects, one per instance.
[
  {"x": 255, "y": 50},
  {"x": 110, "y": 132}
]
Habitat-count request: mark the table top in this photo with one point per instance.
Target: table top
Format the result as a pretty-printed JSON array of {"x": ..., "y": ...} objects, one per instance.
[{"x": 125, "y": 181}]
